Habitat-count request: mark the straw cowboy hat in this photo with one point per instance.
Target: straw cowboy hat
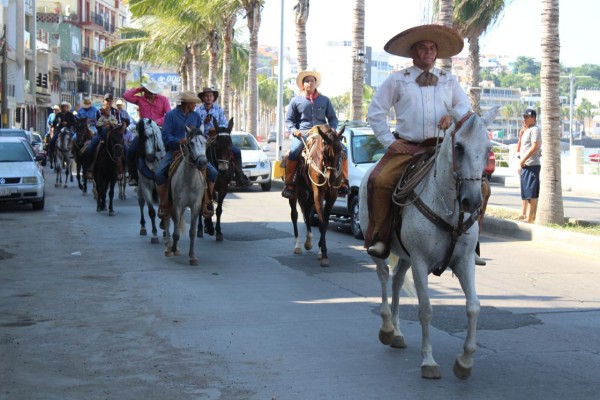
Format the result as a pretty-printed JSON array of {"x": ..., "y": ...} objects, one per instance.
[
  {"x": 208, "y": 90},
  {"x": 304, "y": 74},
  {"x": 65, "y": 103},
  {"x": 152, "y": 87},
  {"x": 56, "y": 107},
  {"x": 119, "y": 102},
  {"x": 188, "y": 97},
  {"x": 448, "y": 40},
  {"x": 87, "y": 102}
]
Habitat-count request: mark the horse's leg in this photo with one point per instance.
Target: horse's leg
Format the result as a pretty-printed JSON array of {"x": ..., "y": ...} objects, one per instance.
[
  {"x": 167, "y": 237},
  {"x": 200, "y": 230},
  {"x": 219, "y": 211},
  {"x": 466, "y": 276},
  {"x": 397, "y": 282},
  {"x": 177, "y": 215},
  {"x": 111, "y": 195},
  {"x": 195, "y": 211},
  {"x": 67, "y": 173},
  {"x": 70, "y": 169},
  {"x": 294, "y": 217},
  {"x": 386, "y": 330},
  {"x": 324, "y": 260},
  {"x": 141, "y": 204},
  {"x": 429, "y": 368}
]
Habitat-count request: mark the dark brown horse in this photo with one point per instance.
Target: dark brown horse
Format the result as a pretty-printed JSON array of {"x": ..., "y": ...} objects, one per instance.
[
  {"x": 109, "y": 167},
  {"x": 218, "y": 153},
  {"x": 318, "y": 184},
  {"x": 82, "y": 135}
]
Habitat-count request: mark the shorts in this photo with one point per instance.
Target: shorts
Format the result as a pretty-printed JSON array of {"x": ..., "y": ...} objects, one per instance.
[{"x": 530, "y": 182}]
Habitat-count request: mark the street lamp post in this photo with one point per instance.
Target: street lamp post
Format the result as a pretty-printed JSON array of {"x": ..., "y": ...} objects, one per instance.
[
  {"x": 258, "y": 123},
  {"x": 571, "y": 81}
]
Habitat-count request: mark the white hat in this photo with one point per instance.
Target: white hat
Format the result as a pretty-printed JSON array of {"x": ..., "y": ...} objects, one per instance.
[
  {"x": 152, "y": 87},
  {"x": 119, "y": 102},
  {"x": 87, "y": 102},
  {"x": 304, "y": 74},
  {"x": 187, "y": 97},
  {"x": 448, "y": 41},
  {"x": 65, "y": 103}
]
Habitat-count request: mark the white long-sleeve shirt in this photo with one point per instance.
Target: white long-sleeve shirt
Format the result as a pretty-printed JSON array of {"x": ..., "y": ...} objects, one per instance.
[{"x": 418, "y": 108}]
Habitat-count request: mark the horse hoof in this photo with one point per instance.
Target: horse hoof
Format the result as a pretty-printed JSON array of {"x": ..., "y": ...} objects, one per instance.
[
  {"x": 176, "y": 253},
  {"x": 168, "y": 253},
  {"x": 56, "y": 185},
  {"x": 65, "y": 186},
  {"x": 430, "y": 372},
  {"x": 308, "y": 247},
  {"x": 111, "y": 213},
  {"x": 154, "y": 240},
  {"x": 200, "y": 233},
  {"x": 324, "y": 262},
  {"x": 398, "y": 342},
  {"x": 219, "y": 237},
  {"x": 461, "y": 372},
  {"x": 143, "y": 232},
  {"x": 193, "y": 261},
  {"x": 386, "y": 338},
  {"x": 98, "y": 209},
  {"x": 297, "y": 250}
]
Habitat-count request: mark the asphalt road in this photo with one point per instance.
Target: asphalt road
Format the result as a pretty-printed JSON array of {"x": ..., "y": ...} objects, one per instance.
[{"x": 91, "y": 310}]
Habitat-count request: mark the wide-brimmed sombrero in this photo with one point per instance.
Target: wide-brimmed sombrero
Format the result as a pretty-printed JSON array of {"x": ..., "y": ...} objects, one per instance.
[
  {"x": 187, "y": 97},
  {"x": 205, "y": 90},
  {"x": 448, "y": 40},
  {"x": 152, "y": 87},
  {"x": 304, "y": 74}
]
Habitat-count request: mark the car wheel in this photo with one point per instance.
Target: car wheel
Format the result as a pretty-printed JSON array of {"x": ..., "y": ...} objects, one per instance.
[
  {"x": 354, "y": 221},
  {"x": 265, "y": 186},
  {"x": 39, "y": 205}
]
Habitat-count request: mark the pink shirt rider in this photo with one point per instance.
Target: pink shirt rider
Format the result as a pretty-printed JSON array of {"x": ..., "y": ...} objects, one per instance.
[{"x": 155, "y": 110}]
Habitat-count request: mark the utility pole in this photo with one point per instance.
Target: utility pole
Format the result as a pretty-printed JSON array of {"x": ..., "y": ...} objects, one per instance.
[{"x": 4, "y": 77}]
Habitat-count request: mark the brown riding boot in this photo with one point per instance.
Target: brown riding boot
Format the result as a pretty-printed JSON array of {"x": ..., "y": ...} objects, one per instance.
[
  {"x": 207, "y": 205},
  {"x": 290, "y": 179},
  {"x": 344, "y": 189},
  {"x": 164, "y": 208}
]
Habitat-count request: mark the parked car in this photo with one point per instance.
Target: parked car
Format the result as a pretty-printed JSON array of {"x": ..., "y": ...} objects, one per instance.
[
  {"x": 255, "y": 163},
  {"x": 272, "y": 137},
  {"x": 363, "y": 150},
  {"x": 21, "y": 179},
  {"x": 38, "y": 146},
  {"x": 16, "y": 132},
  {"x": 490, "y": 166}
]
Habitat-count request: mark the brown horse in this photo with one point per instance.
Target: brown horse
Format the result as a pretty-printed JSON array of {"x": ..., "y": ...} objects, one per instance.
[
  {"x": 109, "y": 168},
  {"x": 218, "y": 153},
  {"x": 318, "y": 184},
  {"x": 82, "y": 135}
]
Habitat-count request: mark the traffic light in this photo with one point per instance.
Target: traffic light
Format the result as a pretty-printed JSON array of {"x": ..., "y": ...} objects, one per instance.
[
  {"x": 38, "y": 79},
  {"x": 45, "y": 81}
]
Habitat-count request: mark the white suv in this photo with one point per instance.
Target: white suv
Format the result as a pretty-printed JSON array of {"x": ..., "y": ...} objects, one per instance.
[{"x": 363, "y": 150}]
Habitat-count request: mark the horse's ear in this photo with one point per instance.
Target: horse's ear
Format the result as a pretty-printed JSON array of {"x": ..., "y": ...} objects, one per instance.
[
  {"x": 340, "y": 133},
  {"x": 490, "y": 115},
  {"x": 230, "y": 125},
  {"x": 140, "y": 127},
  {"x": 323, "y": 135}
]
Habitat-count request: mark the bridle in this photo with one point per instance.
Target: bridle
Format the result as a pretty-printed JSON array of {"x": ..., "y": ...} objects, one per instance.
[
  {"x": 332, "y": 162},
  {"x": 213, "y": 147}
]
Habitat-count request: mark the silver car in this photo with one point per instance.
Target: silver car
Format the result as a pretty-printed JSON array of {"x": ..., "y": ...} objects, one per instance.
[
  {"x": 255, "y": 163},
  {"x": 21, "y": 179}
]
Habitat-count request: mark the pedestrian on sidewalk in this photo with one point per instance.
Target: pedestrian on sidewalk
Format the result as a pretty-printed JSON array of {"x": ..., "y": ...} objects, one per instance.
[{"x": 529, "y": 149}]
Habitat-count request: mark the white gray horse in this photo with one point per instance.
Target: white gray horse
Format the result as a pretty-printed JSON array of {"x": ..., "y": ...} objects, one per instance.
[
  {"x": 187, "y": 190},
  {"x": 63, "y": 160},
  {"x": 150, "y": 151},
  {"x": 450, "y": 193}
]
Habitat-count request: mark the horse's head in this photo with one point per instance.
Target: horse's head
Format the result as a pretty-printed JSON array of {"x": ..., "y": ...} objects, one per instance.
[
  {"x": 82, "y": 131},
  {"x": 150, "y": 140},
  {"x": 115, "y": 144},
  {"x": 64, "y": 139},
  {"x": 329, "y": 153},
  {"x": 466, "y": 153},
  {"x": 195, "y": 148},
  {"x": 219, "y": 146}
]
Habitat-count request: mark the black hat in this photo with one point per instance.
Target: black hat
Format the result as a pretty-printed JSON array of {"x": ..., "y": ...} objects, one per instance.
[
  {"x": 108, "y": 96},
  {"x": 530, "y": 112}
]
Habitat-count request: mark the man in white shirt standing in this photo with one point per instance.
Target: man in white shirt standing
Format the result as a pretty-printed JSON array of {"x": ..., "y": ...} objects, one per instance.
[{"x": 422, "y": 97}]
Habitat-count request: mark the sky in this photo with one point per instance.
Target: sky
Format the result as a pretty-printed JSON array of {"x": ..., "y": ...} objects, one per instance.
[{"x": 516, "y": 33}]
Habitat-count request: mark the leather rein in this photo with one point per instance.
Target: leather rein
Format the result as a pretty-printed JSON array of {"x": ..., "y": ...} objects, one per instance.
[{"x": 462, "y": 226}]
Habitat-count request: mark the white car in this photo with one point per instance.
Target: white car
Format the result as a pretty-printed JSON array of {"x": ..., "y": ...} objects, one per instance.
[
  {"x": 255, "y": 162},
  {"x": 21, "y": 179}
]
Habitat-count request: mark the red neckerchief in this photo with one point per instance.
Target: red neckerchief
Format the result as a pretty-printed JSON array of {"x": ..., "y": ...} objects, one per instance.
[{"x": 312, "y": 97}]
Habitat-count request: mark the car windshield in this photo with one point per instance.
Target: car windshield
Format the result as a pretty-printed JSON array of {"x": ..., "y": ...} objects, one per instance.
[
  {"x": 366, "y": 149},
  {"x": 245, "y": 142},
  {"x": 14, "y": 152},
  {"x": 13, "y": 133}
]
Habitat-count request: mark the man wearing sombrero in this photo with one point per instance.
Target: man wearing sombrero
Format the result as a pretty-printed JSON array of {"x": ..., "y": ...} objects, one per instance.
[
  {"x": 64, "y": 119},
  {"x": 152, "y": 105},
  {"x": 306, "y": 110},
  {"x": 422, "y": 97}
]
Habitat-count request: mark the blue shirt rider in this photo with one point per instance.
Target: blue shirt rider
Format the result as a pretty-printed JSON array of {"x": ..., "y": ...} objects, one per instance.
[
  {"x": 306, "y": 110},
  {"x": 173, "y": 135},
  {"x": 208, "y": 110},
  {"x": 89, "y": 112}
]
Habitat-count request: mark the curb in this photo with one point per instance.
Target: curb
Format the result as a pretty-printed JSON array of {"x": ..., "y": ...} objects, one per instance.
[{"x": 571, "y": 241}]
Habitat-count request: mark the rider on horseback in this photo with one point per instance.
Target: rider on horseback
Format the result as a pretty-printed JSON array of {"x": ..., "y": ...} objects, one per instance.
[
  {"x": 422, "y": 97},
  {"x": 173, "y": 137},
  {"x": 208, "y": 110},
  {"x": 64, "y": 119},
  {"x": 306, "y": 110}
]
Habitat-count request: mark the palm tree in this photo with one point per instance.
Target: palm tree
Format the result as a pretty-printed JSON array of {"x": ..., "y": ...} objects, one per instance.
[
  {"x": 507, "y": 112},
  {"x": 358, "y": 63},
  {"x": 300, "y": 17},
  {"x": 550, "y": 207},
  {"x": 252, "y": 9},
  {"x": 472, "y": 18},
  {"x": 444, "y": 17}
]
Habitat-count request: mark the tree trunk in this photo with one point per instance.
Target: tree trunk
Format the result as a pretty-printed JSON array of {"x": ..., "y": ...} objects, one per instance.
[
  {"x": 253, "y": 16},
  {"x": 358, "y": 59},
  {"x": 300, "y": 17},
  {"x": 445, "y": 18},
  {"x": 475, "y": 91},
  {"x": 550, "y": 204},
  {"x": 213, "y": 59},
  {"x": 195, "y": 59},
  {"x": 226, "y": 82}
]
